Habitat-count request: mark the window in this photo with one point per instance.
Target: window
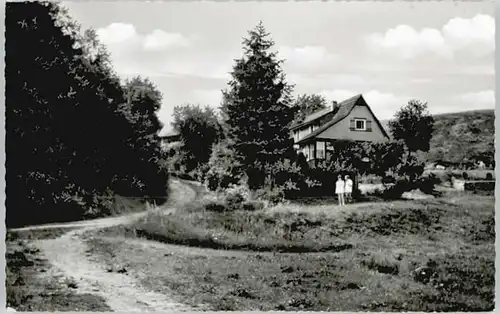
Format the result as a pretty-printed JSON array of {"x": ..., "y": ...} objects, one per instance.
[
  {"x": 360, "y": 124},
  {"x": 320, "y": 150}
]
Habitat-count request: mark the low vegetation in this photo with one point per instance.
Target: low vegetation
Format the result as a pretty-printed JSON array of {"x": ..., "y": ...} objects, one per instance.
[{"x": 428, "y": 255}]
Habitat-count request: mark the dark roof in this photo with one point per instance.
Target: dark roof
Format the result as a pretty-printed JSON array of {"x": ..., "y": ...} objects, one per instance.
[
  {"x": 312, "y": 117},
  {"x": 344, "y": 110}
]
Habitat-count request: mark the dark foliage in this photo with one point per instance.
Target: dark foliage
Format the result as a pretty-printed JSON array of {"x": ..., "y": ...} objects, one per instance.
[
  {"x": 307, "y": 104},
  {"x": 477, "y": 186},
  {"x": 414, "y": 125},
  {"x": 257, "y": 108},
  {"x": 200, "y": 130},
  {"x": 69, "y": 141}
]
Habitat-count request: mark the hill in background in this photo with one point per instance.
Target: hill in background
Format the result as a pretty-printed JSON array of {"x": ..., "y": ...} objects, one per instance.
[{"x": 461, "y": 136}]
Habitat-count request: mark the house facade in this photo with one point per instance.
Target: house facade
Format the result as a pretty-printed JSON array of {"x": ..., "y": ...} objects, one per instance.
[{"x": 349, "y": 120}]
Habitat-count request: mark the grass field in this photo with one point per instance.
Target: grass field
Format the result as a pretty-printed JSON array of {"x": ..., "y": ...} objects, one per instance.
[{"x": 426, "y": 255}]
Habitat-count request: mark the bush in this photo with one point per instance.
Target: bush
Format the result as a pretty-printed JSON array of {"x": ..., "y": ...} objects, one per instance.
[
  {"x": 388, "y": 180},
  {"x": 274, "y": 195},
  {"x": 223, "y": 168},
  {"x": 234, "y": 201},
  {"x": 412, "y": 169},
  {"x": 199, "y": 173},
  {"x": 287, "y": 176},
  {"x": 489, "y": 176},
  {"x": 480, "y": 186},
  {"x": 253, "y": 205},
  {"x": 427, "y": 184},
  {"x": 217, "y": 207},
  {"x": 396, "y": 190},
  {"x": 235, "y": 195}
]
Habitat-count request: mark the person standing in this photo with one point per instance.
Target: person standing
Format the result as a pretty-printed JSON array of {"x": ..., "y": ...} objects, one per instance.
[
  {"x": 348, "y": 189},
  {"x": 339, "y": 190}
]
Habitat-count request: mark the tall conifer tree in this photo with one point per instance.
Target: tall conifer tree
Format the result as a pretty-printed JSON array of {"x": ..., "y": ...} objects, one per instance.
[{"x": 257, "y": 107}]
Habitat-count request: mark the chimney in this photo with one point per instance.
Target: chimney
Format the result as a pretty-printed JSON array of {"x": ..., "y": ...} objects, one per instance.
[{"x": 335, "y": 105}]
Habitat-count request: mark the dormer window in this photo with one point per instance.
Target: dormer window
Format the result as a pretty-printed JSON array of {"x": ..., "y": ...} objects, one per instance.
[{"x": 360, "y": 124}]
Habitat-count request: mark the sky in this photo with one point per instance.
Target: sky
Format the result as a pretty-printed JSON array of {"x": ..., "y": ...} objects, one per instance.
[{"x": 390, "y": 52}]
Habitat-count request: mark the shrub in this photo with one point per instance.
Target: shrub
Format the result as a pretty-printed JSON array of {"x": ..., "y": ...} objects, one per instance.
[
  {"x": 199, "y": 173},
  {"x": 253, "y": 205},
  {"x": 234, "y": 201},
  {"x": 412, "y": 169},
  {"x": 369, "y": 179},
  {"x": 480, "y": 186},
  {"x": 427, "y": 184},
  {"x": 388, "y": 179},
  {"x": 274, "y": 195},
  {"x": 223, "y": 168},
  {"x": 235, "y": 195},
  {"x": 217, "y": 207},
  {"x": 489, "y": 176},
  {"x": 287, "y": 176},
  {"x": 396, "y": 191}
]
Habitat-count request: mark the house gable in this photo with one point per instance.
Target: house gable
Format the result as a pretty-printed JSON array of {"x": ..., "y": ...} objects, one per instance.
[
  {"x": 345, "y": 129},
  {"x": 342, "y": 125}
]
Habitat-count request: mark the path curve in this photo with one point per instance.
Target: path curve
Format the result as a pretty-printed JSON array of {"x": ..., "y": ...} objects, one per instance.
[{"x": 71, "y": 258}]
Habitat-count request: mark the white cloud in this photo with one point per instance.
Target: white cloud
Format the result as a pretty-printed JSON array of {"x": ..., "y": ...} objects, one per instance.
[
  {"x": 159, "y": 40},
  {"x": 384, "y": 105},
  {"x": 133, "y": 53},
  {"x": 480, "y": 30},
  {"x": 306, "y": 58},
  {"x": 475, "y": 35},
  {"x": 117, "y": 34},
  {"x": 479, "y": 99}
]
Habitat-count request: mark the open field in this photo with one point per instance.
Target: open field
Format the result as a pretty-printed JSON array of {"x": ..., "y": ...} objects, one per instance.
[{"x": 426, "y": 255}]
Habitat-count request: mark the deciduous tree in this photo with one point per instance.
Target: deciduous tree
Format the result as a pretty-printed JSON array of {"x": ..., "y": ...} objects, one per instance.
[
  {"x": 307, "y": 104},
  {"x": 200, "y": 130},
  {"x": 414, "y": 125}
]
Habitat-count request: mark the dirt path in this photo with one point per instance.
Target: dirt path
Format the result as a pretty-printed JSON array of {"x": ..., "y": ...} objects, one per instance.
[{"x": 72, "y": 258}]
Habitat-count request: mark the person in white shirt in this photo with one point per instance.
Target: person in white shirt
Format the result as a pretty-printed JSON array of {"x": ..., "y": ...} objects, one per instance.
[
  {"x": 339, "y": 190},
  {"x": 348, "y": 188}
]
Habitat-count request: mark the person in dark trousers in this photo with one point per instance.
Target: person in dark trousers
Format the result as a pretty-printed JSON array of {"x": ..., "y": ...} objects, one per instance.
[{"x": 348, "y": 189}]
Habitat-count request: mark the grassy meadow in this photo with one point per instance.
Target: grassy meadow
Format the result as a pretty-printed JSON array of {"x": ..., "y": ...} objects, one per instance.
[{"x": 418, "y": 255}]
